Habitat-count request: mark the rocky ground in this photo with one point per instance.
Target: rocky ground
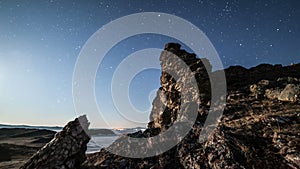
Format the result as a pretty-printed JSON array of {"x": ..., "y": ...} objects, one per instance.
[{"x": 259, "y": 127}]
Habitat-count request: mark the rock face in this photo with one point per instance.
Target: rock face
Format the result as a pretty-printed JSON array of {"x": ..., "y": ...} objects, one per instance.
[
  {"x": 259, "y": 127},
  {"x": 66, "y": 150},
  {"x": 170, "y": 97}
]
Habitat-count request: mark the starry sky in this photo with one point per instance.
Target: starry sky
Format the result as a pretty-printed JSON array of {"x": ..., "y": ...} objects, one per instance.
[{"x": 40, "y": 41}]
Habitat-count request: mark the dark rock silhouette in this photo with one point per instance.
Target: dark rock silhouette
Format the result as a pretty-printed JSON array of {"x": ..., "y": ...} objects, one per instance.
[{"x": 66, "y": 150}]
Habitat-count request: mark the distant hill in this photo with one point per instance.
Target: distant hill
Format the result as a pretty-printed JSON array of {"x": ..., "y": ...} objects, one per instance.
[
  {"x": 24, "y": 132},
  {"x": 54, "y": 128},
  {"x": 92, "y": 131},
  {"x": 101, "y": 132}
]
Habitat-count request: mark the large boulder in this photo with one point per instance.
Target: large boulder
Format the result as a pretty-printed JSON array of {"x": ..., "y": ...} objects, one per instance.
[
  {"x": 66, "y": 150},
  {"x": 290, "y": 93}
]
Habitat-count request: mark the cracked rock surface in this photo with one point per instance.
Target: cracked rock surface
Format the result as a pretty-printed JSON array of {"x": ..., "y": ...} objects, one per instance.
[{"x": 66, "y": 150}]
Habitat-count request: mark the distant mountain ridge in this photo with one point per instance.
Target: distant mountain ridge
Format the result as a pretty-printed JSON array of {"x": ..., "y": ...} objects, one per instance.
[
  {"x": 93, "y": 131},
  {"x": 55, "y": 128}
]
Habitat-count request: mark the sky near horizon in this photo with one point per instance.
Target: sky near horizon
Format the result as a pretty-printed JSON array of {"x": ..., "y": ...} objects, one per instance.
[{"x": 40, "y": 41}]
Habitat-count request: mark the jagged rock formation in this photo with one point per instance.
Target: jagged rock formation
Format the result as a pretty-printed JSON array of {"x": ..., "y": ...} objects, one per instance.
[
  {"x": 166, "y": 105},
  {"x": 66, "y": 150},
  {"x": 259, "y": 127}
]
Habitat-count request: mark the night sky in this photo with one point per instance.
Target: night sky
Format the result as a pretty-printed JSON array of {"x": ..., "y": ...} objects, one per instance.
[{"x": 40, "y": 42}]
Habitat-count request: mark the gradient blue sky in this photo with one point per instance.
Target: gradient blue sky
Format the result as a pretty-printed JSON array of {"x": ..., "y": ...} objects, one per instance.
[{"x": 40, "y": 41}]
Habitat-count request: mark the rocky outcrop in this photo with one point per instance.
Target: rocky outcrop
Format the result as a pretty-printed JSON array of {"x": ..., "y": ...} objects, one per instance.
[
  {"x": 175, "y": 73},
  {"x": 259, "y": 127},
  {"x": 257, "y": 130},
  {"x": 66, "y": 150}
]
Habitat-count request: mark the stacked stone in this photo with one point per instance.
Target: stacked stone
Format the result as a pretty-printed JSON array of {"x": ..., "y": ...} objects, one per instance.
[{"x": 66, "y": 150}]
